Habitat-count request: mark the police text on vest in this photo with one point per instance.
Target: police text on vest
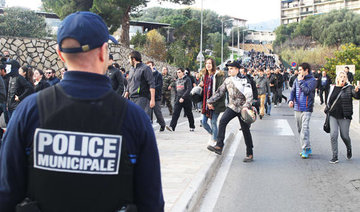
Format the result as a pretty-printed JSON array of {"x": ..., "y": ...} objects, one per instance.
[{"x": 77, "y": 152}]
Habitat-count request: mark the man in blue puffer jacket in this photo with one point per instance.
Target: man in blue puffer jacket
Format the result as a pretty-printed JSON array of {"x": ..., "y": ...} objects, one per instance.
[{"x": 302, "y": 100}]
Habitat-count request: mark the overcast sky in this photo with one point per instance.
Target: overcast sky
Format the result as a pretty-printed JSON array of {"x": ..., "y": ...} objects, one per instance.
[{"x": 252, "y": 10}]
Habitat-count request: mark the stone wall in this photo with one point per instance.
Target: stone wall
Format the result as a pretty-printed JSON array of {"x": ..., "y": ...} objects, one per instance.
[{"x": 41, "y": 53}]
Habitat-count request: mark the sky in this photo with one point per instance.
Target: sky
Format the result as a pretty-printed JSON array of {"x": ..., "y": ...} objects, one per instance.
[{"x": 252, "y": 10}]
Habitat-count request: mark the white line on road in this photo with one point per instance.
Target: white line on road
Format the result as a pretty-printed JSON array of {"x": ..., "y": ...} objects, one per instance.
[
  {"x": 282, "y": 127},
  {"x": 212, "y": 195}
]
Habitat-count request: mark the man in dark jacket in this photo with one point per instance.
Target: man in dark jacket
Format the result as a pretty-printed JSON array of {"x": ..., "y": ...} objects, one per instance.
[
  {"x": 324, "y": 86},
  {"x": 292, "y": 79},
  {"x": 141, "y": 83},
  {"x": 117, "y": 79},
  {"x": 18, "y": 88},
  {"x": 182, "y": 100},
  {"x": 158, "y": 88},
  {"x": 50, "y": 76},
  {"x": 349, "y": 74}
]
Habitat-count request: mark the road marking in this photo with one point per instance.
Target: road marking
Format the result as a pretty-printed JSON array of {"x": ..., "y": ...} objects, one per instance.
[
  {"x": 212, "y": 195},
  {"x": 282, "y": 127}
]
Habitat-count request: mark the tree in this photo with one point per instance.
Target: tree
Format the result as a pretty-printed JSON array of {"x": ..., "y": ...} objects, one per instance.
[
  {"x": 348, "y": 54},
  {"x": 22, "y": 22},
  {"x": 155, "y": 45},
  {"x": 115, "y": 13},
  {"x": 336, "y": 28},
  {"x": 138, "y": 40}
]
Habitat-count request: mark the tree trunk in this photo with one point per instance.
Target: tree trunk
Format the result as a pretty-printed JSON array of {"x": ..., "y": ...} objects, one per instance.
[{"x": 125, "y": 28}]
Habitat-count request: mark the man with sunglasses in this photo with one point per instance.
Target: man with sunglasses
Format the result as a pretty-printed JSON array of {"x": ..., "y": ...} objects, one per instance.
[{"x": 50, "y": 76}]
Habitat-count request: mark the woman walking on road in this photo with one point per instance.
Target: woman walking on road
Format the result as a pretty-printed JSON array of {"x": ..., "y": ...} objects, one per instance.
[
  {"x": 341, "y": 113},
  {"x": 212, "y": 80}
]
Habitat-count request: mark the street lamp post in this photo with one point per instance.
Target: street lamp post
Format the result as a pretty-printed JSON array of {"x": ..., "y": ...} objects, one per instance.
[
  {"x": 201, "y": 33},
  {"x": 222, "y": 39}
]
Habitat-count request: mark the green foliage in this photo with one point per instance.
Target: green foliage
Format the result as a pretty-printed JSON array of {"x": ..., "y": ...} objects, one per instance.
[
  {"x": 155, "y": 45},
  {"x": 315, "y": 57},
  {"x": 337, "y": 27},
  {"x": 304, "y": 28},
  {"x": 22, "y": 22},
  {"x": 331, "y": 29},
  {"x": 138, "y": 40},
  {"x": 114, "y": 12},
  {"x": 348, "y": 54}
]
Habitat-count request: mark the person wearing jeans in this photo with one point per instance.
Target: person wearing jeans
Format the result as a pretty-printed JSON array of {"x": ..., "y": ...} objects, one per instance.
[
  {"x": 212, "y": 80},
  {"x": 302, "y": 100},
  {"x": 341, "y": 113}
]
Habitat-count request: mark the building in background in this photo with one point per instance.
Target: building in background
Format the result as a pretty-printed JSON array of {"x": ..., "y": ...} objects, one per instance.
[
  {"x": 260, "y": 37},
  {"x": 296, "y": 10}
]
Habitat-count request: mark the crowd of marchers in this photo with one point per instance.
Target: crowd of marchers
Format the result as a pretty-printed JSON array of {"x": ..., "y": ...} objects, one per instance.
[{"x": 208, "y": 91}]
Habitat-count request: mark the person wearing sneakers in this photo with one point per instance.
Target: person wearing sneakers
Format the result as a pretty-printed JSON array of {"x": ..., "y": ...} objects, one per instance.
[
  {"x": 302, "y": 100},
  {"x": 212, "y": 79},
  {"x": 182, "y": 100},
  {"x": 240, "y": 94},
  {"x": 340, "y": 114}
]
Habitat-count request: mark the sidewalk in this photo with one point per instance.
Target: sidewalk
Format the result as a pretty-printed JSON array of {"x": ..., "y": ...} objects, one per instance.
[{"x": 186, "y": 164}]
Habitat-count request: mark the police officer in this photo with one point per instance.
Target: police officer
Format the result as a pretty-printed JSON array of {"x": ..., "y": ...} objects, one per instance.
[{"x": 67, "y": 148}]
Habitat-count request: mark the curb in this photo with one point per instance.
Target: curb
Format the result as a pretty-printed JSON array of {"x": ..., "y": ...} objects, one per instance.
[{"x": 191, "y": 196}]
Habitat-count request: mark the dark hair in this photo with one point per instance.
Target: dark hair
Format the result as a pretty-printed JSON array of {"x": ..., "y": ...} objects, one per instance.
[
  {"x": 181, "y": 69},
  {"x": 305, "y": 66},
  {"x": 152, "y": 63},
  {"x": 51, "y": 69},
  {"x": 261, "y": 70},
  {"x": 347, "y": 67},
  {"x": 136, "y": 55},
  {"x": 123, "y": 70},
  {"x": 28, "y": 74},
  {"x": 116, "y": 65},
  {"x": 40, "y": 72},
  {"x": 111, "y": 57}
]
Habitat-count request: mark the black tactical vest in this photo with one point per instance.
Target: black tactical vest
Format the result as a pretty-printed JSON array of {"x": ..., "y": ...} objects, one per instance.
[{"x": 79, "y": 160}]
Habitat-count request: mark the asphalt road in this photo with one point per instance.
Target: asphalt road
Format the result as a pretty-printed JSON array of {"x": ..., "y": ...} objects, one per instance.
[{"x": 278, "y": 179}]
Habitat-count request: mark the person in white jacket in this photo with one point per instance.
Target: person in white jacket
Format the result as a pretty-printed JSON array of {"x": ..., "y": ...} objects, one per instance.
[{"x": 240, "y": 97}]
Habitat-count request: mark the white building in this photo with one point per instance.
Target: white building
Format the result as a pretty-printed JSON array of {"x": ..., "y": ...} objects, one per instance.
[
  {"x": 297, "y": 10},
  {"x": 258, "y": 37}
]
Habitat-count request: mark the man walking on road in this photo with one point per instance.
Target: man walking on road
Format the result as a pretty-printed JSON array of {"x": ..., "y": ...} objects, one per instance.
[
  {"x": 141, "y": 83},
  {"x": 168, "y": 82},
  {"x": 158, "y": 87},
  {"x": 302, "y": 100},
  {"x": 240, "y": 96}
]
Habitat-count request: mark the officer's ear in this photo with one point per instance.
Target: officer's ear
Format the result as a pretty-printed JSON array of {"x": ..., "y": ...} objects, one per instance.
[
  {"x": 104, "y": 53},
  {"x": 60, "y": 53}
]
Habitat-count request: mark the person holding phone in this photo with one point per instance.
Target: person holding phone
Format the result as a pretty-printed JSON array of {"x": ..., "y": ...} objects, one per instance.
[
  {"x": 341, "y": 113},
  {"x": 302, "y": 100}
]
